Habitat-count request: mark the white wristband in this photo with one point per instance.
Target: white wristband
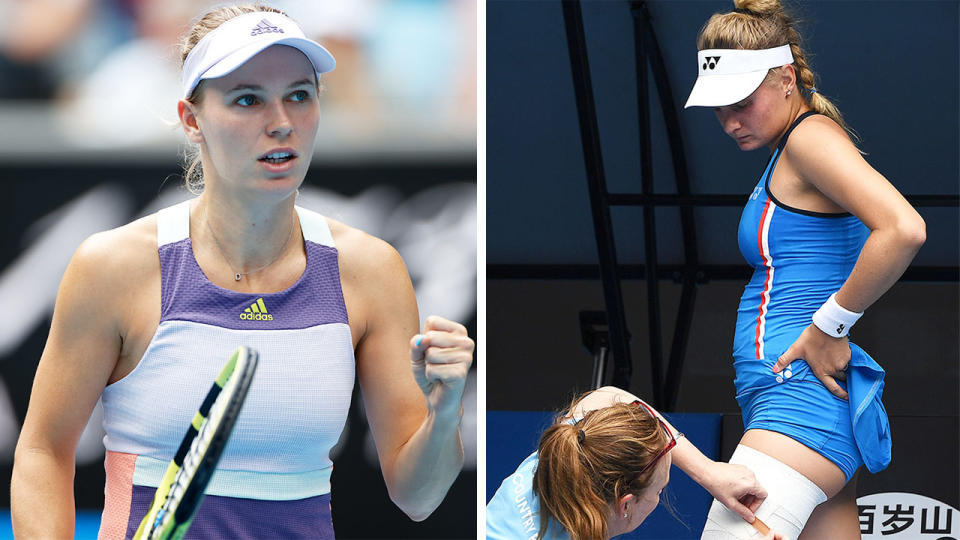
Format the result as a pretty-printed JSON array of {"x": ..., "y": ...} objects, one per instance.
[{"x": 833, "y": 319}]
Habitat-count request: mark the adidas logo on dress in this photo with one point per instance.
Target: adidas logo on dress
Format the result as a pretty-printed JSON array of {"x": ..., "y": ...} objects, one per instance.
[
  {"x": 711, "y": 62},
  {"x": 256, "y": 312},
  {"x": 264, "y": 27}
]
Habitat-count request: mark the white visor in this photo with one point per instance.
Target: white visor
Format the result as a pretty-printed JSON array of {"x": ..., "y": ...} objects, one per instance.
[
  {"x": 727, "y": 76},
  {"x": 234, "y": 42}
]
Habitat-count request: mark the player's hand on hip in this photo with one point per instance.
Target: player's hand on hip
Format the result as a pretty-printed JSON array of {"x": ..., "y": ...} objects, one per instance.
[
  {"x": 827, "y": 357},
  {"x": 736, "y": 487},
  {"x": 440, "y": 357}
]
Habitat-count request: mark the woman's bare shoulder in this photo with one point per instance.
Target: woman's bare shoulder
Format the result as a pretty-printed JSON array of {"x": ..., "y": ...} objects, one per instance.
[
  {"x": 363, "y": 253},
  {"x": 814, "y": 132},
  {"x": 113, "y": 256},
  {"x": 104, "y": 280}
]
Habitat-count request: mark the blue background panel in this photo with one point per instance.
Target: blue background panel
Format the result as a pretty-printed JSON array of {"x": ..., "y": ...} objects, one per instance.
[{"x": 88, "y": 525}]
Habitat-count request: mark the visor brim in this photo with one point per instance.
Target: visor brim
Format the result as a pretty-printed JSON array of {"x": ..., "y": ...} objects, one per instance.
[
  {"x": 723, "y": 90},
  {"x": 321, "y": 59}
]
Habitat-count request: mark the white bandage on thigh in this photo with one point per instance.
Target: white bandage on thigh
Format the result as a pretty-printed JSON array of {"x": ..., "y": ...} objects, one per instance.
[{"x": 791, "y": 498}]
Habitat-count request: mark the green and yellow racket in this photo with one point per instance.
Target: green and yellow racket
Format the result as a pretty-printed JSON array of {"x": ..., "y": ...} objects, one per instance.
[{"x": 186, "y": 479}]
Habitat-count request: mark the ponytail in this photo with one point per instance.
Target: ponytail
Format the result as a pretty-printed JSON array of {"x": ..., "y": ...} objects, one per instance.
[
  {"x": 817, "y": 100},
  {"x": 586, "y": 467},
  {"x": 565, "y": 486}
]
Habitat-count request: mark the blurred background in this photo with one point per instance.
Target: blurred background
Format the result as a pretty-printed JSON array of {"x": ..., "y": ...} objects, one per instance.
[{"x": 88, "y": 92}]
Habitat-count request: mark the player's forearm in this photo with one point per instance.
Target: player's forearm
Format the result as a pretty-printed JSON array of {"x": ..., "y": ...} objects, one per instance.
[
  {"x": 41, "y": 495},
  {"x": 885, "y": 256},
  {"x": 426, "y": 466}
]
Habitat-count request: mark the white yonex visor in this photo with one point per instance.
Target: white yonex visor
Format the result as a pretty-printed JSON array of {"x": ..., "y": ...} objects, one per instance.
[
  {"x": 727, "y": 76},
  {"x": 234, "y": 42}
]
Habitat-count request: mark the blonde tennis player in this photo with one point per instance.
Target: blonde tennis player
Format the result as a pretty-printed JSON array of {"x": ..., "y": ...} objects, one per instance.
[
  {"x": 827, "y": 235},
  {"x": 147, "y": 312}
]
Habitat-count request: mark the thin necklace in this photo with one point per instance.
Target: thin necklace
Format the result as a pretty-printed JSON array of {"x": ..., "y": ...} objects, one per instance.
[{"x": 238, "y": 275}]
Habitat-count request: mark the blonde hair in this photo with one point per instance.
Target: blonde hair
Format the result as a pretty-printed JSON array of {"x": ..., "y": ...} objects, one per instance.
[
  {"x": 193, "y": 172},
  {"x": 579, "y": 476},
  {"x": 764, "y": 24}
]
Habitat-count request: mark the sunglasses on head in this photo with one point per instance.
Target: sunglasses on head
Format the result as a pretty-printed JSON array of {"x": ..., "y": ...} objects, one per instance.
[{"x": 663, "y": 426}]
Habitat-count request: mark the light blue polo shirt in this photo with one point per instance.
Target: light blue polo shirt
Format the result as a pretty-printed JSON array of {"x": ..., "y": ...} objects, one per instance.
[{"x": 514, "y": 511}]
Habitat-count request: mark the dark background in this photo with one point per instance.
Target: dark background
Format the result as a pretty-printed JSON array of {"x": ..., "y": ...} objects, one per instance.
[{"x": 891, "y": 68}]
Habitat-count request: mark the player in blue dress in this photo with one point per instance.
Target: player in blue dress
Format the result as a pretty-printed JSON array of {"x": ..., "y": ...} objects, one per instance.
[{"x": 827, "y": 235}]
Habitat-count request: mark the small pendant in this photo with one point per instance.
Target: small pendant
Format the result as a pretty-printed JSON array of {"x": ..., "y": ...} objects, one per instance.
[{"x": 238, "y": 276}]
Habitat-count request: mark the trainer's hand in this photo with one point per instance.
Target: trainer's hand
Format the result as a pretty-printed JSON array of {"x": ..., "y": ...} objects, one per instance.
[
  {"x": 774, "y": 536},
  {"x": 736, "y": 487},
  {"x": 827, "y": 357},
  {"x": 440, "y": 357}
]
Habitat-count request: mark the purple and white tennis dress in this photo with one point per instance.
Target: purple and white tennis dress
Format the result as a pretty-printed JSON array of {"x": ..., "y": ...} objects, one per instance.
[{"x": 273, "y": 480}]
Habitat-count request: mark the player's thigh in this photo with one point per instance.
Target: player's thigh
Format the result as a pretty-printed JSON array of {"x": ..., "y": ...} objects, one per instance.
[
  {"x": 836, "y": 518},
  {"x": 799, "y": 457}
]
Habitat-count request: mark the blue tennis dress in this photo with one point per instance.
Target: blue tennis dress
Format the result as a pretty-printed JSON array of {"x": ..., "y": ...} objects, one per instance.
[
  {"x": 273, "y": 480},
  {"x": 800, "y": 258}
]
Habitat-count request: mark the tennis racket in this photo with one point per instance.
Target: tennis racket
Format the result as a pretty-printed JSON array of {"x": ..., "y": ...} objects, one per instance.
[{"x": 183, "y": 485}]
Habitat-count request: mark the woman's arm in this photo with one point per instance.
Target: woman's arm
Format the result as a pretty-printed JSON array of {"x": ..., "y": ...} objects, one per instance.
[
  {"x": 826, "y": 160},
  {"x": 733, "y": 485},
  {"x": 80, "y": 354},
  {"x": 412, "y": 384}
]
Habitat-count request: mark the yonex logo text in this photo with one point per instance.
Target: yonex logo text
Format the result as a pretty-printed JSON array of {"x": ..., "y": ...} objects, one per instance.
[
  {"x": 264, "y": 27},
  {"x": 256, "y": 312},
  {"x": 711, "y": 62},
  {"x": 840, "y": 329}
]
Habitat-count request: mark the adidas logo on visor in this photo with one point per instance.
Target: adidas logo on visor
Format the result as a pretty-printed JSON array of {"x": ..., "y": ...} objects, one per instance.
[
  {"x": 256, "y": 312},
  {"x": 711, "y": 62},
  {"x": 264, "y": 27}
]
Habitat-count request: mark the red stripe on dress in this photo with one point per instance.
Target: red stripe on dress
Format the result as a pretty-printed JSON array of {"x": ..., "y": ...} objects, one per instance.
[{"x": 767, "y": 282}]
